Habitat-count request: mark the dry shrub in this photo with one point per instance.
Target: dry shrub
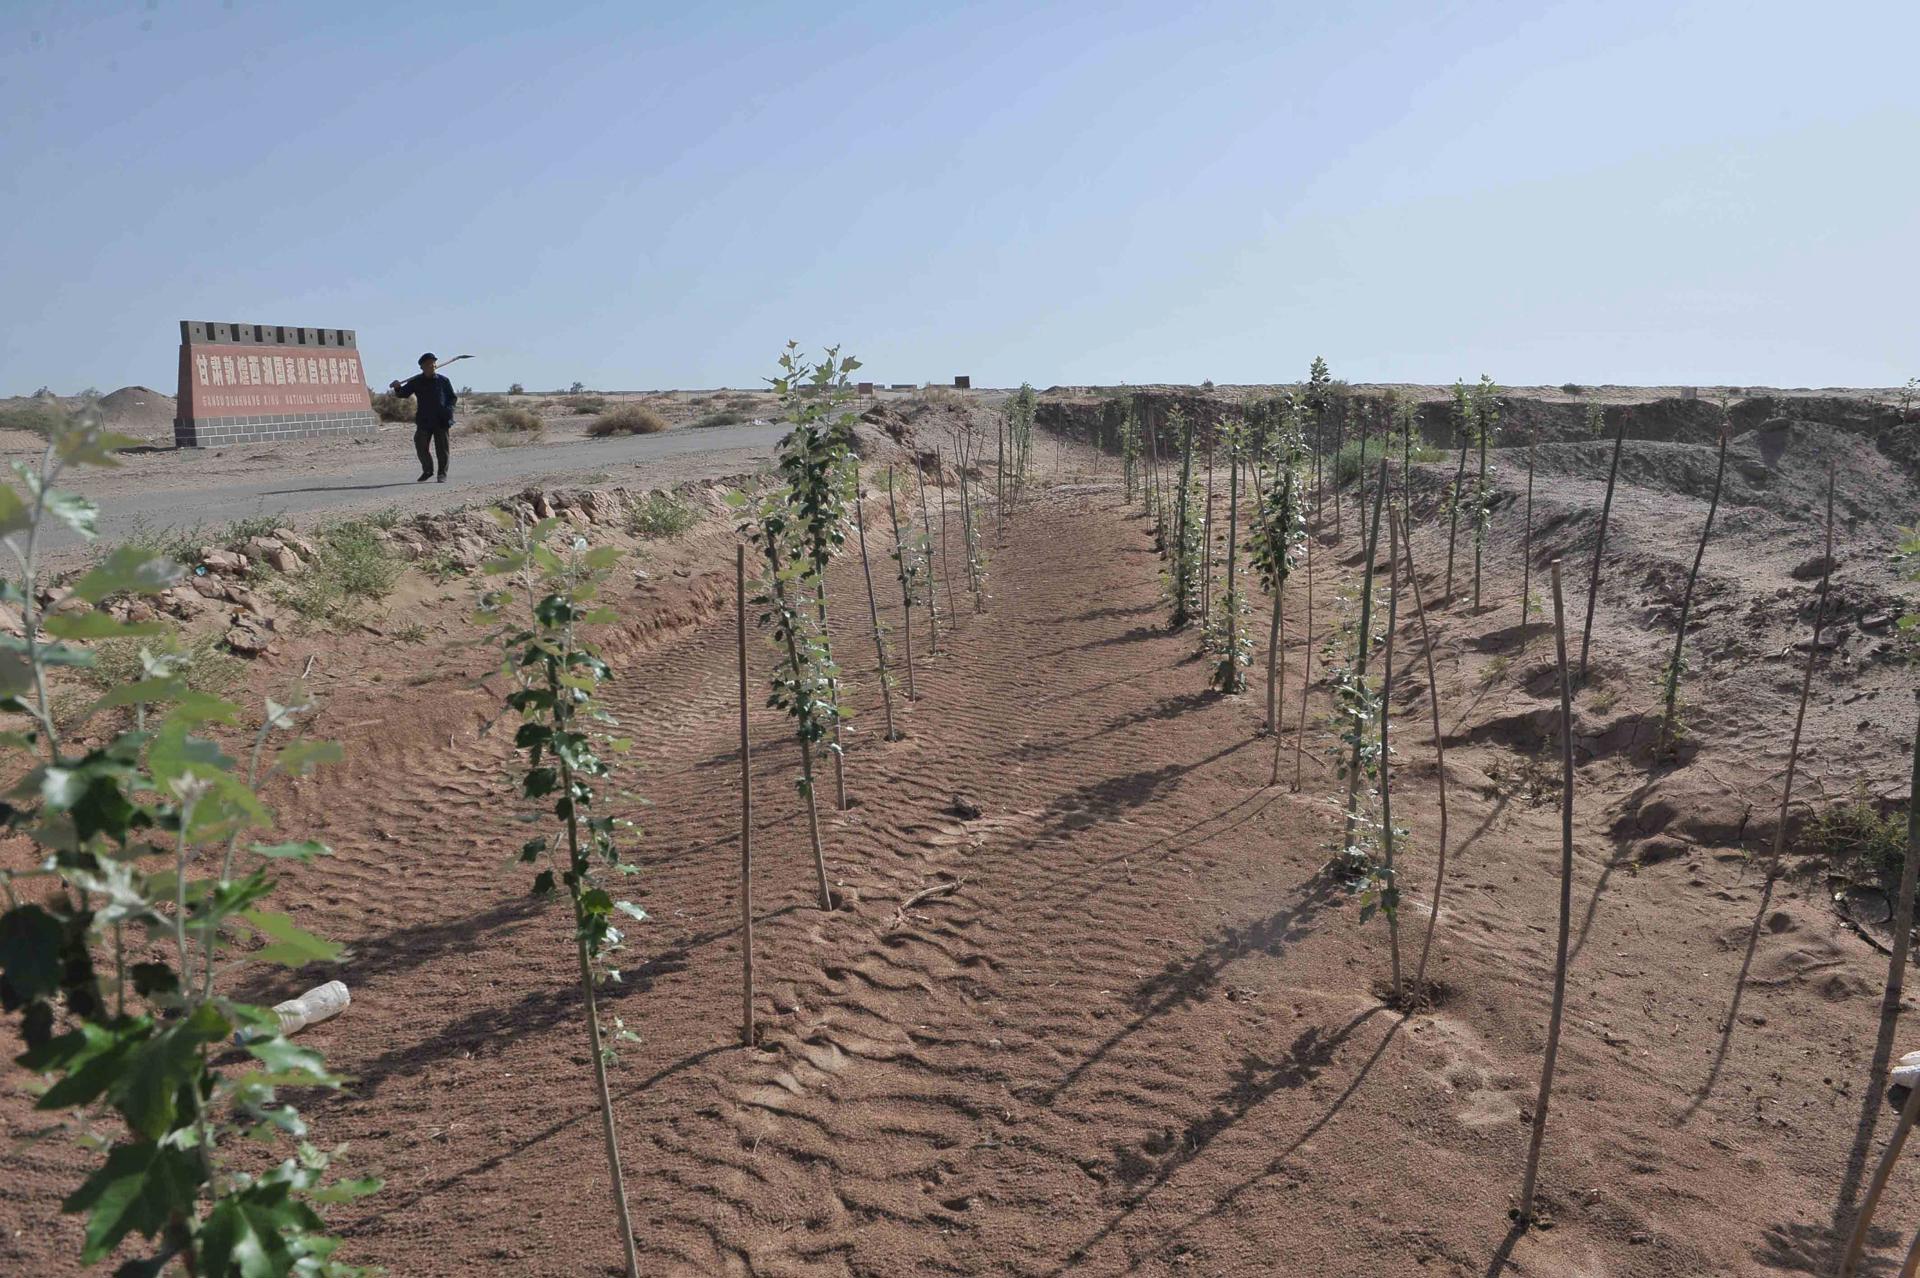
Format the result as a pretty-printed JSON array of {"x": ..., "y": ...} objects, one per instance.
[
  {"x": 392, "y": 408},
  {"x": 505, "y": 427},
  {"x": 628, "y": 419},
  {"x": 588, "y": 405}
]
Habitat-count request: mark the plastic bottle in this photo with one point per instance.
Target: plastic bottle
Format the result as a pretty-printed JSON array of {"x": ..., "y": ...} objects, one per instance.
[{"x": 316, "y": 1005}]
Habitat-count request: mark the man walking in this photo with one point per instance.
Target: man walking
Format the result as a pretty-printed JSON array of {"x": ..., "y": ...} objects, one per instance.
[{"x": 432, "y": 416}]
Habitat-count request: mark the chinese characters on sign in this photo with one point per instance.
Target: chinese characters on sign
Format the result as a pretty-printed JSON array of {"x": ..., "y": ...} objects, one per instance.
[{"x": 249, "y": 380}]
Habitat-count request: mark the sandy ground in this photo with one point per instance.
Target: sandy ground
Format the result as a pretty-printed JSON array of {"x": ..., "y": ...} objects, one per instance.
[{"x": 1144, "y": 1035}]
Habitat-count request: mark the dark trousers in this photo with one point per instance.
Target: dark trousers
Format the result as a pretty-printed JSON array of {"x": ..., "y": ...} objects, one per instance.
[{"x": 436, "y": 436}]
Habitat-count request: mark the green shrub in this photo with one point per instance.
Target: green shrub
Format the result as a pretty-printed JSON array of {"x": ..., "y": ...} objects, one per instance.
[
  {"x": 1572, "y": 388},
  {"x": 591, "y": 405},
  {"x": 39, "y": 416},
  {"x": 353, "y": 567},
  {"x": 262, "y": 525},
  {"x": 516, "y": 389},
  {"x": 1856, "y": 836},
  {"x": 1347, "y": 463},
  {"x": 661, "y": 514},
  {"x": 393, "y": 408},
  {"x": 198, "y": 659},
  {"x": 628, "y": 419},
  {"x": 725, "y": 417}
]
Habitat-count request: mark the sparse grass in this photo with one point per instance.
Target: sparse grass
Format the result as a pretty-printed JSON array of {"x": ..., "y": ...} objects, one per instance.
[
  {"x": 661, "y": 514},
  {"x": 1496, "y": 671},
  {"x": 628, "y": 419},
  {"x": 353, "y": 568},
  {"x": 588, "y": 404},
  {"x": 1603, "y": 700},
  {"x": 389, "y": 407},
  {"x": 387, "y": 517},
  {"x": 1347, "y": 463},
  {"x": 443, "y": 566},
  {"x": 179, "y": 544},
  {"x": 241, "y": 530},
  {"x": 412, "y": 632},
  {"x": 725, "y": 417},
  {"x": 1855, "y": 836},
  {"x": 508, "y": 427},
  {"x": 199, "y": 660},
  {"x": 484, "y": 403}
]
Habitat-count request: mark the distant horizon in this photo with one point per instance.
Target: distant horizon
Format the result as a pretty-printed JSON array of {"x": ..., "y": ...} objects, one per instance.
[{"x": 1642, "y": 192}]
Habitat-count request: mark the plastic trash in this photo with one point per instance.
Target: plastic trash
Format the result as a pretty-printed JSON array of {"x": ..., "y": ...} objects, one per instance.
[
  {"x": 1907, "y": 1073},
  {"x": 317, "y": 1004}
]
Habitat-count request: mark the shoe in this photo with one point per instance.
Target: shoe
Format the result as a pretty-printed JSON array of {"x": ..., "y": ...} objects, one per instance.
[
  {"x": 443, "y": 479},
  {"x": 424, "y": 477}
]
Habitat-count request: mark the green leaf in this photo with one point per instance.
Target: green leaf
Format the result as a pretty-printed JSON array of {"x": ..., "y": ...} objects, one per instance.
[
  {"x": 301, "y": 757},
  {"x": 128, "y": 569},
  {"x": 31, "y": 941},
  {"x": 286, "y": 1059},
  {"x": 289, "y": 945},
  {"x": 543, "y": 883},
  {"x": 15, "y": 515},
  {"x": 138, "y": 1190},
  {"x": 147, "y": 1091},
  {"x": 596, "y": 901},
  {"x": 75, "y": 511},
  {"x": 345, "y": 1191},
  {"x": 98, "y": 625},
  {"x": 305, "y": 850}
]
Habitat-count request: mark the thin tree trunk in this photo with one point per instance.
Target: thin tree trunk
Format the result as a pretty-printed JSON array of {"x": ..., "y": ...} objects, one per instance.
[
  {"x": 1439, "y": 768},
  {"x": 1453, "y": 522},
  {"x": 1306, "y": 668},
  {"x": 839, "y": 750},
  {"x": 873, "y": 611},
  {"x": 1182, "y": 568},
  {"x": 806, "y": 747},
  {"x": 1903, "y": 908},
  {"x": 1686, "y": 601},
  {"x": 1392, "y": 904},
  {"x": 1806, "y": 687},
  {"x": 1566, "y": 907},
  {"x": 933, "y": 595},
  {"x": 747, "y": 1036},
  {"x": 606, "y": 1106},
  {"x": 946, "y": 564},
  {"x": 1600, "y": 546},
  {"x": 1206, "y": 551},
  {"x": 906, "y": 587},
  {"x": 1361, "y": 647},
  {"x": 1526, "y": 553},
  {"x": 1480, "y": 516},
  {"x": 1878, "y": 1184},
  {"x": 1339, "y": 437}
]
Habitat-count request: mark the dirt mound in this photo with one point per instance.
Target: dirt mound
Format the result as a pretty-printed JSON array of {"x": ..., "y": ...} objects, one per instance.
[{"x": 136, "y": 410}]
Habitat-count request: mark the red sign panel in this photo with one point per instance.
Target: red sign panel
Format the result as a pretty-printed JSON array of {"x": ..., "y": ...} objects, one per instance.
[{"x": 258, "y": 381}]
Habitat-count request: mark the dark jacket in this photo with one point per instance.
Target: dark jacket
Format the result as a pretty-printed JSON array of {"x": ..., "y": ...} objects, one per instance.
[{"x": 434, "y": 397}]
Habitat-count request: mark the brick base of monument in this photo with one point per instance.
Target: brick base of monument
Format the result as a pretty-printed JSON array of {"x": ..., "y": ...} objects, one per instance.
[{"x": 218, "y": 432}]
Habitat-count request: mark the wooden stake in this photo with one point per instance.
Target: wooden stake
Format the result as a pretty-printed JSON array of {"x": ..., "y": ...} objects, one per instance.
[
  {"x": 1566, "y": 908},
  {"x": 1362, "y": 646},
  {"x": 1600, "y": 546},
  {"x": 946, "y": 564},
  {"x": 1871, "y": 1203},
  {"x": 1526, "y": 549},
  {"x": 1439, "y": 768},
  {"x": 873, "y": 611},
  {"x": 747, "y": 1036},
  {"x": 933, "y": 595},
  {"x": 1306, "y": 664},
  {"x": 906, "y": 588},
  {"x": 1806, "y": 687},
  {"x": 1686, "y": 599},
  {"x": 1392, "y": 902}
]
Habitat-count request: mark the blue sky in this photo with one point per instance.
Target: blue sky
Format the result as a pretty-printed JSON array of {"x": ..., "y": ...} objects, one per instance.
[{"x": 647, "y": 195}]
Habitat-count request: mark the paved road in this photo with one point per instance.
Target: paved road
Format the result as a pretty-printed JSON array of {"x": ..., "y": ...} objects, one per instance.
[{"x": 385, "y": 478}]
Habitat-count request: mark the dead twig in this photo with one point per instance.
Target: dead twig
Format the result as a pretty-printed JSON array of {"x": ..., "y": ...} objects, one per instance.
[{"x": 924, "y": 894}]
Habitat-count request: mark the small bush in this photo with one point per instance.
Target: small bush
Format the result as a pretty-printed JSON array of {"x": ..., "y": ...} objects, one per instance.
[
  {"x": 592, "y": 405},
  {"x": 725, "y": 417},
  {"x": 1347, "y": 463},
  {"x": 1572, "y": 388},
  {"x": 389, "y": 407},
  {"x": 180, "y": 544},
  {"x": 353, "y": 567},
  {"x": 516, "y": 389},
  {"x": 506, "y": 427},
  {"x": 199, "y": 660},
  {"x": 628, "y": 419},
  {"x": 241, "y": 530},
  {"x": 1856, "y": 836},
  {"x": 661, "y": 514},
  {"x": 484, "y": 403},
  {"x": 39, "y": 416}
]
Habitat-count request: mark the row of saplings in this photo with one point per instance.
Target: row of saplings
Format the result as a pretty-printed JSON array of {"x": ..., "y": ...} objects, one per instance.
[
  {"x": 1295, "y": 453},
  {"x": 125, "y": 940}
]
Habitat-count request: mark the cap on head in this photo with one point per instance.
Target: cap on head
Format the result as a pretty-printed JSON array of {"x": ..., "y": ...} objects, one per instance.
[{"x": 427, "y": 359}]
